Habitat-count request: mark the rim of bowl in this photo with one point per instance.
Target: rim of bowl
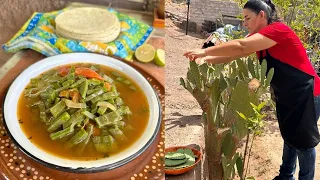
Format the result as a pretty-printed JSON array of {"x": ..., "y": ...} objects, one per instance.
[{"x": 107, "y": 167}]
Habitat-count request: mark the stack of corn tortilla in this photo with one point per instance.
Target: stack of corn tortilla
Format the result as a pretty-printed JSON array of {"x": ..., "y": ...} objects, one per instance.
[{"x": 88, "y": 24}]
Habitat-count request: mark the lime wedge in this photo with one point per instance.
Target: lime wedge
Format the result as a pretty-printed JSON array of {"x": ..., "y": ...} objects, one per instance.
[
  {"x": 145, "y": 53},
  {"x": 159, "y": 59}
]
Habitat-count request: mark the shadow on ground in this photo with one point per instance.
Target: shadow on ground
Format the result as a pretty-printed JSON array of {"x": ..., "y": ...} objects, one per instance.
[{"x": 193, "y": 120}]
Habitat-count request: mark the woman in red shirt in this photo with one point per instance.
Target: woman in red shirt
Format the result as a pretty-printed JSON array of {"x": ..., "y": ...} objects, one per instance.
[{"x": 295, "y": 83}]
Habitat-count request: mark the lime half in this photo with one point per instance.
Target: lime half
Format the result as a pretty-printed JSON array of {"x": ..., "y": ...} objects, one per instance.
[
  {"x": 159, "y": 59},
  {"x": 145, "y": 53}
]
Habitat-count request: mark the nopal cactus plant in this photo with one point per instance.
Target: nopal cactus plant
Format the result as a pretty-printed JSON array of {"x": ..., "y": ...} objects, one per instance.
[{"x": 222, "y": 91}]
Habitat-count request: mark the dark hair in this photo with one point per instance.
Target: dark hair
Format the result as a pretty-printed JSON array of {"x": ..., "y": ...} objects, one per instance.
[{"x": 263, "y": 5}]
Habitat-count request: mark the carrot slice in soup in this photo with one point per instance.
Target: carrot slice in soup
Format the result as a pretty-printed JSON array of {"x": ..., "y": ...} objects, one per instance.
[{"x": 87, "y": 72}]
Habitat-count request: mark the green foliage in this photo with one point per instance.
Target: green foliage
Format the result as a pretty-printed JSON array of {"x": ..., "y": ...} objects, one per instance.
[
  {"x": 228, "y": 166},
  {"x": 240, "y": 167},
  {"x": 255, "y": 123},
  {"x": 302, "y": 16}
]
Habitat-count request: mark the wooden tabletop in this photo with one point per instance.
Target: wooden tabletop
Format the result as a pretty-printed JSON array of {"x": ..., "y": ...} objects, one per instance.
[{"x": 154, "y": 70}]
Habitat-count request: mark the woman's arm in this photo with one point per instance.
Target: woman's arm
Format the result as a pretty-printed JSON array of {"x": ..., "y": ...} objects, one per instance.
[
  {"x": 238, "y": 47},
  {"x": 218, "y": 59},
  {"x": 221, "y": 59}
]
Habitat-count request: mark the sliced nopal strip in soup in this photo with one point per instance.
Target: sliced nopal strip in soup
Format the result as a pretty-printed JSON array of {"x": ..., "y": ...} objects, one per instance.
[{"x": 82, "y": 112}]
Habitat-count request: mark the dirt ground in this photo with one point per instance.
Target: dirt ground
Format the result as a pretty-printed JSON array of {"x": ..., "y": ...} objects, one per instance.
[{"x": 183, "y": 123}]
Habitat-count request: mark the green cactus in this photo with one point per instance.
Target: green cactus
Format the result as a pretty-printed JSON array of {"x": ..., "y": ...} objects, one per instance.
[
  {"x": 223, "y": 83},
  {"x": 243, "y": 68},
  {"x": 263, "y": 71},
  {"x": 234, "y": 70},
  {"x": 239, "y": 163},
  {"x": 221, "y": 91},
  {"x": 251, "y": 68},
  {"x": 228, "y": 165},
  {"x": 182, "y": 83},
  {"x": 204, "y": 70},
  {"x": 195, "y": 74},
  {"x": 215, "y": 97},
  {"x": 240, "y": 98},
  {"x": 269, "y": 77},
  {"x": 228, "y": 145},
  {"x": 257, "y": 69}
]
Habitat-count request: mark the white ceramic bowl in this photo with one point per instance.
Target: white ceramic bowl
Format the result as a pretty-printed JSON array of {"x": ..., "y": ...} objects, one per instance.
[{"x": 117, "y": 160}]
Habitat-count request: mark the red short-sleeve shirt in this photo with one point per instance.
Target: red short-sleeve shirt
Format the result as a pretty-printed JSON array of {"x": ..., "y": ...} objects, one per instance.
[{"x": 290, "y": 50}]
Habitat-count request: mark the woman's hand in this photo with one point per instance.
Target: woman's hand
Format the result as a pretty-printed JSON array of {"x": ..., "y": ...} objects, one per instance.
[
  {"x": 214, "y": 59},
  {"x": 201, "y": 60},
  {"x": 195, "y": 54}
]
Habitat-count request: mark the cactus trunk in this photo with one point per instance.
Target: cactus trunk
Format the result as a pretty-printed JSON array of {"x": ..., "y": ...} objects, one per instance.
[{"x": 212, "y": 149}]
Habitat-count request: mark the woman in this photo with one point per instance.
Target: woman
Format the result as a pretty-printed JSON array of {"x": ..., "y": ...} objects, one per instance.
[{"x": 295, "y": 83}]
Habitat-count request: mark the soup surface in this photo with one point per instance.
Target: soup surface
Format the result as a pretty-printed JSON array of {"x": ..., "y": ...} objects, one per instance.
[{"x": 83, "y": 111}]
